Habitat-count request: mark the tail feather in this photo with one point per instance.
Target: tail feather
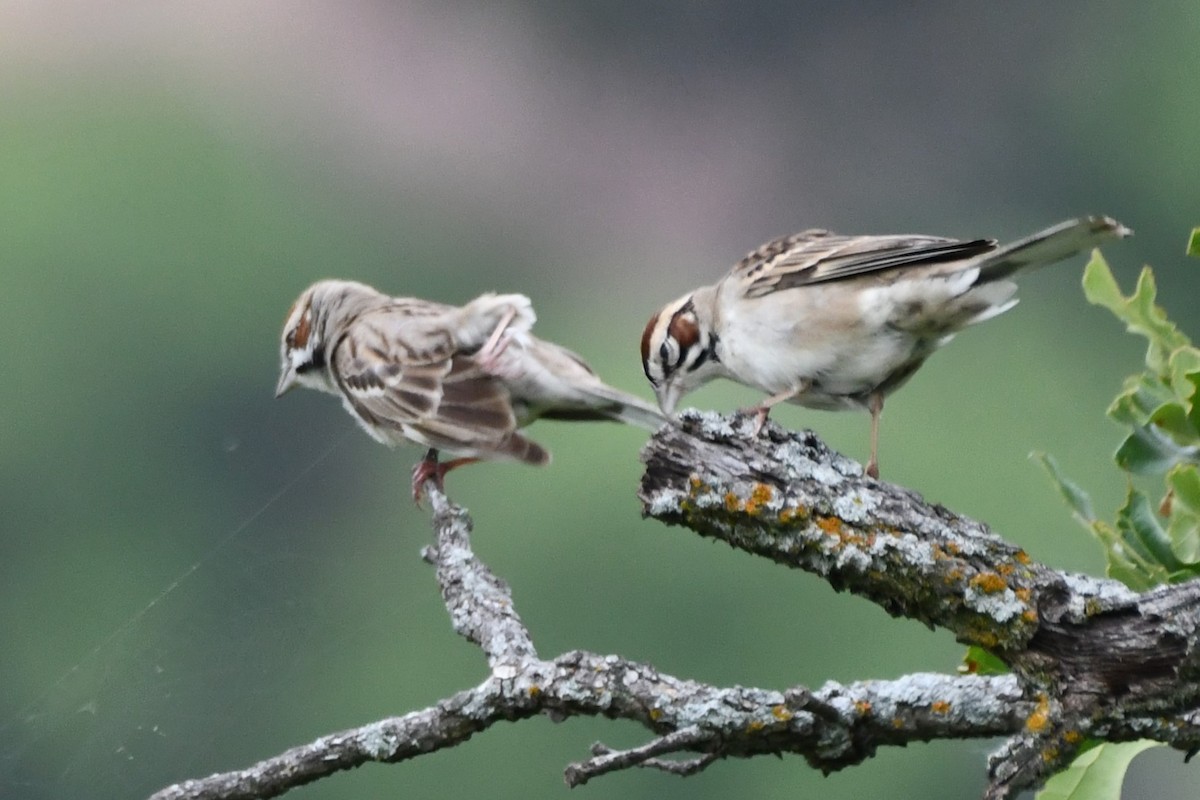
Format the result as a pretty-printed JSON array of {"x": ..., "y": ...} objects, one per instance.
[
  {"x": 1049, "y": 246},
  {"x": 635, "y": 411},
  {"x": 520, "y": 448},
  {"x": 603, "y": 402}
]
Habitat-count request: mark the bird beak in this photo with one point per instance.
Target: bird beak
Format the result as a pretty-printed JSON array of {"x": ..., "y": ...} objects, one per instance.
[
  {"x": 668, "y": 397},
  {"x": 286, "y": 381}
]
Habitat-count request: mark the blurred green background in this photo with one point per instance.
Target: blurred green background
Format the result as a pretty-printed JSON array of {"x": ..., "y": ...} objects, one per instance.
[{"x": 194, "y": 576}]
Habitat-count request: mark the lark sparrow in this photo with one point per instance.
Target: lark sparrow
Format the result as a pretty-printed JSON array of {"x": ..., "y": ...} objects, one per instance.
[
  {"x": 839, "y": 322},
  {"x": 457, "y": 379}
]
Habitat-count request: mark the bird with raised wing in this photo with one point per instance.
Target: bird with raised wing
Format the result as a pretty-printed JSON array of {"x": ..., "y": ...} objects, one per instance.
[{"x": 458, "y": 379}]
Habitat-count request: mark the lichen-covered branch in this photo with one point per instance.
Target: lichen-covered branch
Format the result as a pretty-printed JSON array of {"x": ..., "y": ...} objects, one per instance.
[
  {"x": 1089, "y": 658},
  {"x": 1100, "y": 661}
]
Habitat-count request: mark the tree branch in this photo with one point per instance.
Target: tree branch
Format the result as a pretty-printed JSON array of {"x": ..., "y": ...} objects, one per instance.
[
  {"x": 1089, "y": 657},
  {"x": 1100, "y": 661}
]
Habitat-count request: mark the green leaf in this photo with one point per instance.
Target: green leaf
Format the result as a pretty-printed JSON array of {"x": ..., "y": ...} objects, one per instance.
[
  {"x": 1148, "y": 451},
  {"x": 1096, "y": 774},
  {"x": 1099, "y": 286},
  {"x": 1184, "y": 526},
  {"x": 1184, "y": 366},
  {"x": 1124, "y": 564},
  {"x": 1171, "y": 420},
  {"x": 1193, "y": 400},
  {"x": 1077, "y": 498},
  {"x": 978, "y": 661},
  {"x": 1193, "y": 248},
  {"x": 1138, "y": 311},
  {"x": 1185, "y": 381},
  {"x": 1185, "y": 481},
  {"x": 1140, "y": 396},
  {"x": 1141, "y": 532}
]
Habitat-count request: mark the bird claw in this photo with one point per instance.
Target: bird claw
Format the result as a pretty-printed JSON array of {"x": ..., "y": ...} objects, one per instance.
[
  {"x": 430, "y": 469},
  {"x": 760, "y": 418},
  {"x": 427, "y": 469}
]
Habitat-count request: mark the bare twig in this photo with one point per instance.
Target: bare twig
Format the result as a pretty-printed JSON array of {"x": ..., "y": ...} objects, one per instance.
[{"x": 608, "y": 760}]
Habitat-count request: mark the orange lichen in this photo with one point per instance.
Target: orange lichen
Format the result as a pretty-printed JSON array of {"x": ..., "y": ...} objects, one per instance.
[
  {"x": 1021, "y": 557},
  {"x": 732, "y": 503},
  {"x": 940, "y": 707},
  {"x": 831, "y": 525},
  {"x": 781, "y": 713},
  {"x": 988, "y": 583},
  {"x": 534, "y": 691},
  {"x": 953, "y": 548},
  {"x": 1030, "y": 615},
  {"x": 954, "y": 576},
  {"x": 897, "y": 723},
  {"x": 760, "y": 495},
  {"x": 1006, "y": 569},
  {"x": 1023, "y": 594},
  {"x": 1073, "y": 737},
  {"x": 862, "y": 707},
  {"x": 1039, "y": 720},
  {"x": 756, "y": 725},
  {"x": 655, "y": 714},
  {"x": 786, "y": 515}
]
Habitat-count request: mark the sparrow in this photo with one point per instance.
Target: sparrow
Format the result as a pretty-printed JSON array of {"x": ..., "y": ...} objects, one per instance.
[
  {"x": 840, "y": 322},
  {"x": 456, "y": 379}
]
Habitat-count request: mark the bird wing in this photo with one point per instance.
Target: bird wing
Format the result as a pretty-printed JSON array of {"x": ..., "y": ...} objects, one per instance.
[
  {"x": 401, "y": 371},
  {"x": 819, "y": 256}
]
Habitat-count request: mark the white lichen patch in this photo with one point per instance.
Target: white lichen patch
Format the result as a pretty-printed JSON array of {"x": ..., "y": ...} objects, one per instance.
[
  {"x": 794, "y": 458},
  {"x": 1000, "y": 606},
  {"x": 378, "y": 740},
  {"x": 856, "y": 506},
  {"x": 712, "y": 425},
  {"x": 913, "y": 550},
  {"x": 1086, "y": 589},
  {"x": 664, "y": 502},
  {"x": 825, "y": 474},
  {"x": 853, "y": 558}
]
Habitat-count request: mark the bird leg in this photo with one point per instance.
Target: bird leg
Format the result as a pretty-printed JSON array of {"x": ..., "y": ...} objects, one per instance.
[
  {"x": 428, "y": 468},
  {"x": 761, "y": 410},
  {"x": 875, "y": 404}
]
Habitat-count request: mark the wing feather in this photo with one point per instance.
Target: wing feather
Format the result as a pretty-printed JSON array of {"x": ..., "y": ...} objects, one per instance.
[
  {"x": 401, "y": 373},
  {"x": 819, "y": 256}
]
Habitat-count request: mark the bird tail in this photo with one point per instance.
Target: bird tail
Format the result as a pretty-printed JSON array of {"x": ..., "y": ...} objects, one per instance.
[
  {"x": 634, "y": 411},
  {"x": 1049, "y": 246},
  {"x": 606, "y": 403}
]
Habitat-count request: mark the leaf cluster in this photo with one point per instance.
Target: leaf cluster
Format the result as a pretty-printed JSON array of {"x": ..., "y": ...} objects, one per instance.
[
  {"x": 1149, "y": 544},
  {"x": 1145, "y": 545}
]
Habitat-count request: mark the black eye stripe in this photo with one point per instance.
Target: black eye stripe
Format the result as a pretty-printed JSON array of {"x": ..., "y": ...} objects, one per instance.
[
  {"x": 317, "y": 361},
  {"x": 707, "y": 353}
]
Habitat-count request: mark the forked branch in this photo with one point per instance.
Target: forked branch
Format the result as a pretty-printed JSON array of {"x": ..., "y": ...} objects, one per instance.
[{"x": 1089, "y": 658}]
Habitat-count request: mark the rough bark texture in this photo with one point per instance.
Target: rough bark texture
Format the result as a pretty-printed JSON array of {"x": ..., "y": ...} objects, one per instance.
[{"x": 1090, "y": 659}]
